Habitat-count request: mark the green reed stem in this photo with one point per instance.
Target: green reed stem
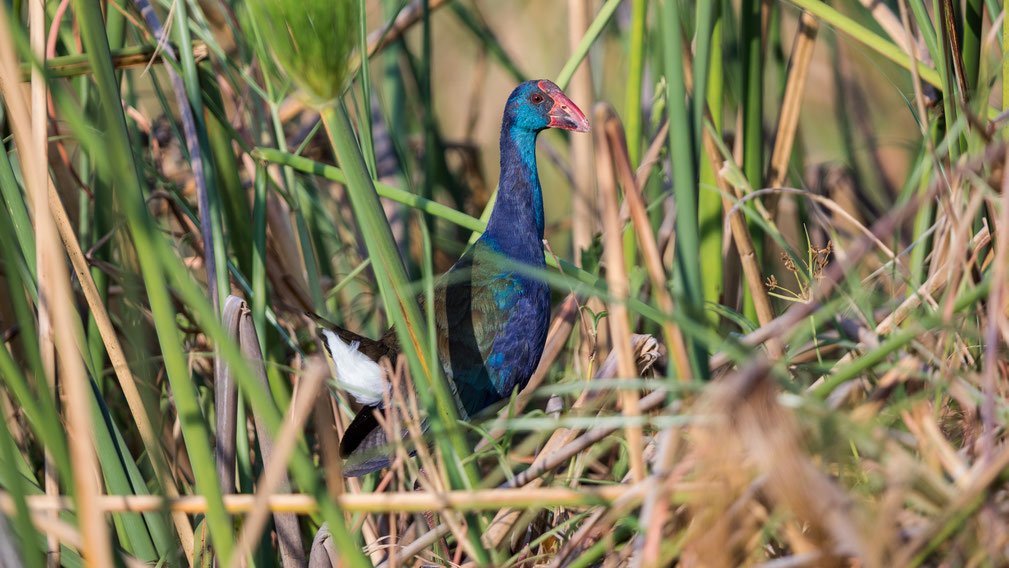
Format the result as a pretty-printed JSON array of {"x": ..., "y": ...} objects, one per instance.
[
  {"x": 753, "y": 119},
  {"x": 145, "y": 236},
  {"x": 688, "y": 266},
  {"x": 334, "y": 173},
  {"x": 635, "y": 75},
  {"x": 1005, "y": 57},
  {"x": 709, "y": 200}
]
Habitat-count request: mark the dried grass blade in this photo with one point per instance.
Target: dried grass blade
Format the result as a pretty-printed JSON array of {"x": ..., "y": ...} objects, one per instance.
[
  {"x": 54, "y": 290},
  {"x": 616, "y": 278}
]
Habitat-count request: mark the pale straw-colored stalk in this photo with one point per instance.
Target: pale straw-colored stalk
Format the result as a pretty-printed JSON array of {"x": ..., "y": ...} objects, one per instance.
[{"x": 55, "y": 296}]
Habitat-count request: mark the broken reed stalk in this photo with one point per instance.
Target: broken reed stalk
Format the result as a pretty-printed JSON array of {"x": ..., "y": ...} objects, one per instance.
[
  {"x": 616, "y": 278},
  {"x": 126, "y": 58},
  {"x": 744, "y": 242},
  {"x": 55, "y": 294},
  {"x": 646, "y": 240},
  {"x": 791, "y": 103},
  {"x": 889, "y": 22}
]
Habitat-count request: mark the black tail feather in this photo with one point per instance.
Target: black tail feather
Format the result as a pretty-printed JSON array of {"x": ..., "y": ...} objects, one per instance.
[{"x": 363, "y": 424}]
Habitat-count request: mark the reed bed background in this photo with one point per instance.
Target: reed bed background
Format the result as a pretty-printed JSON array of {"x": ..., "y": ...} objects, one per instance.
[{"x": 780, "y": 266}]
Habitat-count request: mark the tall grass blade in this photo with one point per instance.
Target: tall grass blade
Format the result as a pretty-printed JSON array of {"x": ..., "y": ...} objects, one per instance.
[
  {"x": 708, "y": 85},
  {"x": 688, "y": 266},
  {"x": 635, "y": 76},
  {"x": 151, "y": 253}
]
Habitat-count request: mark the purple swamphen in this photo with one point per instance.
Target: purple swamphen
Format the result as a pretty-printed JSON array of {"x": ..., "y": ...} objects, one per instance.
[{"x": 491, "y": 318}]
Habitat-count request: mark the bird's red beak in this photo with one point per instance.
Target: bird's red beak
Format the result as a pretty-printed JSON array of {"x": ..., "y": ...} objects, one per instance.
[{"x": 565, "y": 114}]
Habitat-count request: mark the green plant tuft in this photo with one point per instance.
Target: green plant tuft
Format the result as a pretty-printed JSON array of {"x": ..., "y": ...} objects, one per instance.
[{"x": 312, "y": 40}]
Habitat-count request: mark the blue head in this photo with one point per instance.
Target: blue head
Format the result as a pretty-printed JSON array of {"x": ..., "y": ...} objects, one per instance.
[
  {"x": 537, "y": 105},
  {"x": 517, "y": 220}
]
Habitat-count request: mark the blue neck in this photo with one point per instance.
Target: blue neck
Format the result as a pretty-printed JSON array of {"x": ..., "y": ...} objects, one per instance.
[{"x": 516, "y": 224}]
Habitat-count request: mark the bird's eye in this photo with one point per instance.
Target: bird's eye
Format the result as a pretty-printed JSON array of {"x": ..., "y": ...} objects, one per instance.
[{"x": 536, "y": 98}]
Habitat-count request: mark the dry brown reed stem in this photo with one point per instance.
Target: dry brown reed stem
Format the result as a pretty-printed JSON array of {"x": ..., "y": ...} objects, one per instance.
[
  {"x": 584, "y": 208},
  {"x": 616, "y": 279},
  {"x": 744, "y": 244},
  {"x": 405, "y": 501},
  {"x": 39, "y": 141},
  {"x": 117, "y": 357},
  {"x": 323, "y": 552},
  {"x": 275, "y": 473},
  {"x": 329, "y": 445},
  {"x": 892, "y": 26},
  {"x": 55, "y": 295},
  {"x": 646, "y": 240},
  {"x": 286, "y": 525},
  {"x": 651, "y": 156},
  {"x": 955, "y": 226},
  {"x": 791, "y": 102},
  {"x": 550, "y": 461},
  {"x": 393, "y": 30},
  {"x": 737, "y": 224},
  {"x": 414, "y": 548},
  {"x": 238, "y": 322},
  {"x": 285, "y": 267},
  {"x": 932, "y": 442},
  {"x": 226, "y": 403},
  {"x": 655, "y": 509}
]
